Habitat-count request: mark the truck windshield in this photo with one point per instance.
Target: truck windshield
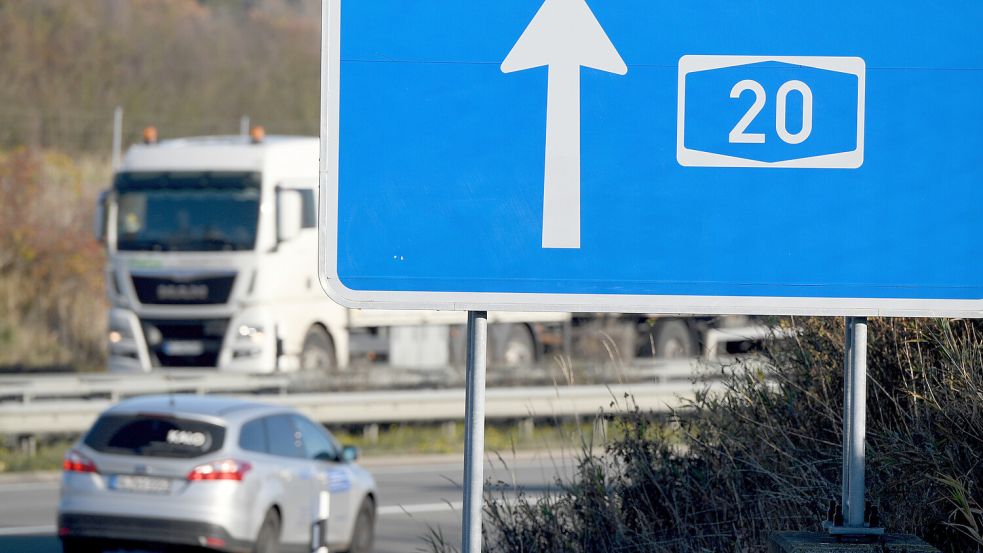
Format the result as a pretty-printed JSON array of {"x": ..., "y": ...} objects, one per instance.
[{"x": 187, "y": 211}]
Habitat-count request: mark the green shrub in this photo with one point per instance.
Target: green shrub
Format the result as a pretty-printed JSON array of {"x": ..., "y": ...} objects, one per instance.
[{"x": 765, "y": 455}]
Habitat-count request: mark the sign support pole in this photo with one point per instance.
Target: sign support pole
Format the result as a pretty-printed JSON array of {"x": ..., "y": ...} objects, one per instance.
[
  {"x": 854, "y": 431},
  {"x": 474, "y": 431}
]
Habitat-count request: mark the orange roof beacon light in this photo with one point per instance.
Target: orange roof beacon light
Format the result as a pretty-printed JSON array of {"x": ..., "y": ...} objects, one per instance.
[
  {"x": 257, "y": 134},
  {"x": 150, "y": 135}
]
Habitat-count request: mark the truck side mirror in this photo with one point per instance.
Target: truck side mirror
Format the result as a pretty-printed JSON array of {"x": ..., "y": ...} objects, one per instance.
[
  {"x": 288, "y": 214},
  {"x": 99, "y": 217}
]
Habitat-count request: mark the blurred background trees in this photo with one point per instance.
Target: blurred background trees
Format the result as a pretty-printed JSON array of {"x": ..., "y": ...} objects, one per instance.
[{"x": 188, "y": 67}]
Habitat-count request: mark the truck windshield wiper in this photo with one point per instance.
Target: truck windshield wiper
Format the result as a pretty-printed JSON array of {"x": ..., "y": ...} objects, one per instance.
[
  {"x": 144, "y": 244},
  {"x": 211, "y": 243}
]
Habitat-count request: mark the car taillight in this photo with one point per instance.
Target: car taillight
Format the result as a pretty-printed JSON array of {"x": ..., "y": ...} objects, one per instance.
[
  {"x": 76, "y": 462},
  {"x": 228, "y": 469}
]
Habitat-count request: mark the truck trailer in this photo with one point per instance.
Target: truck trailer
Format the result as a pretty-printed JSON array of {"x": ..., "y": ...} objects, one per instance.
[{"x": 212, "y": 263}]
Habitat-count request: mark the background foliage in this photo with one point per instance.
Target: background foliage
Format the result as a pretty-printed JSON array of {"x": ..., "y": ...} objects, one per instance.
[
  {"x": 52, "y": 311},
  {"x": 765, "y": 455},
  {"x": 189, "y": 67}
]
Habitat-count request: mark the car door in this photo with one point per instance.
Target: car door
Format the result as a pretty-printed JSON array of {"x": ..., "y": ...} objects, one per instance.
[
  {"x": 324, "y": 455},
  {"x": 296, "y": 475}
]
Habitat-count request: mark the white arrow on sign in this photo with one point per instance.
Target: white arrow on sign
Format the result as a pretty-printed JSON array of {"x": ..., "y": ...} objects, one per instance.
[{"x": 565, "y": 36}]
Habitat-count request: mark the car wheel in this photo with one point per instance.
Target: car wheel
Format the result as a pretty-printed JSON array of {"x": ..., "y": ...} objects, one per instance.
[
  {"x": 77, "y": 545},
  {"x": 268, "y": 540},
  {"x": 364, "y": 534},
  {"x": 318, "y": 353}
]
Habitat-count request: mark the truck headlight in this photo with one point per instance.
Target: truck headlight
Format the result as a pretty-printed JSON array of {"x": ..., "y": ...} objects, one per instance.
[
  {"x": 251, "y": 333},
  {"x": 121, "y": 339},
  {"x": 249, "y": 341}
]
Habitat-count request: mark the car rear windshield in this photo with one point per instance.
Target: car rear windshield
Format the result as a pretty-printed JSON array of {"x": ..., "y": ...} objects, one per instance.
[{"x": 154, "y": 436}]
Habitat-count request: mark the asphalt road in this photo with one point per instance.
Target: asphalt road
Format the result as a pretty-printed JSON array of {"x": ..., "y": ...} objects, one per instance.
[{"x": 415, "y": 496}]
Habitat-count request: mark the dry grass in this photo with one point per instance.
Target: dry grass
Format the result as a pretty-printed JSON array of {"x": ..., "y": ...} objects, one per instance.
[{"x": 765, "y": 456}]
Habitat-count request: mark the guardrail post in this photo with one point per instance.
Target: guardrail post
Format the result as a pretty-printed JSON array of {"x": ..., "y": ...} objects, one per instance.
[
  {"x": 370, "y": 432},
  {"x": 527, "y": 428},
  {"x": 28, "y": 444},
  {"x": 449, "y": 429},
  {"x": 474, "y": 431},
  {"x": 600, "y": 430}
]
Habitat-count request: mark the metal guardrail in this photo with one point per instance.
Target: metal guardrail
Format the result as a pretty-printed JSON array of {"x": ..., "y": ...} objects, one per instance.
[
  {"x": 27, "y": 389},
  {"x": 36, "y": 416}
]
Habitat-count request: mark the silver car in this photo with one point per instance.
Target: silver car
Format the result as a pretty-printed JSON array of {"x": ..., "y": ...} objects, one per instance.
[{"x": 214, "y": 472}]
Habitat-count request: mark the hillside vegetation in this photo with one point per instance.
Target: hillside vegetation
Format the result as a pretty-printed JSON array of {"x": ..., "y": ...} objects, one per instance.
[
  {"x": 186, "y": 66},
  {"x": 52, "y": 312}
]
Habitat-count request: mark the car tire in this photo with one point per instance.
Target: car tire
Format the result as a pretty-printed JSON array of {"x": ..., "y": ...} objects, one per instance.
[
  {"x": 78, "y": 545},
  {"x": 268, "y": 540},
  {"x": 363, "y": 536},
  {"x": 318, "y": 353}
]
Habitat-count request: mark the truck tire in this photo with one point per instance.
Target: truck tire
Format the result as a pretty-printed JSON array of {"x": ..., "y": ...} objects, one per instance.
[
  {"x": 673, "y": 339},
  {"x": 517, "y": 349},
  {"x": 318, "y": 354}
]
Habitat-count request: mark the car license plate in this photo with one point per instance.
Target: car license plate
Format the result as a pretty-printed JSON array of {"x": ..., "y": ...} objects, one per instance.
[
  {"x": 184, "y": 348},
  {"x": 140, "y": 484}
]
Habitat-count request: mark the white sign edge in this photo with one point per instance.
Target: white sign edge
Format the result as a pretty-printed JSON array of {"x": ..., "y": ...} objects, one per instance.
[{"x": 615, "y": 303}]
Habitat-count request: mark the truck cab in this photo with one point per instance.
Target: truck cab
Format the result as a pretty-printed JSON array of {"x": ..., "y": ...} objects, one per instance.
[{"x": 211, "y": 259}]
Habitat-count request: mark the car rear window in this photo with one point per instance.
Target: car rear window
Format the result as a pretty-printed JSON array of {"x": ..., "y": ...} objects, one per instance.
[{"x": 154, "y": 436}]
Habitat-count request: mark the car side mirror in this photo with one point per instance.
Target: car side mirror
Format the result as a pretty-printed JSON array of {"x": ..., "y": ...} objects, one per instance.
[
  {"x": 349, "y": 454},
  {"x": 288, "y": 214}
]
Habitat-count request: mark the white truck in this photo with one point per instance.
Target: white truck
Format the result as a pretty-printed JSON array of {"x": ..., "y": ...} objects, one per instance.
[{"x": 212, "y": 254}]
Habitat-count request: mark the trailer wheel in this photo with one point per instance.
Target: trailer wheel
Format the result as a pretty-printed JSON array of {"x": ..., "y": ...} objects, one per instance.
[
  {"x": 518, "y": 349},
  {"x": 673, "y": 339},
  {"x": 318, "y": 354}
]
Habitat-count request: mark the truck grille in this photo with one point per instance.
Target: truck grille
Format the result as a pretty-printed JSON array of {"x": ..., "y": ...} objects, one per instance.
[
  {"x": 184, "y": 342},
  {"x": 202, "y": 290}
]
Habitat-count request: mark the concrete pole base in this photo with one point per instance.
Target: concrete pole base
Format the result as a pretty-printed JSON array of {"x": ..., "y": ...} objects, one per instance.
[{"x": 810, "y": 542}]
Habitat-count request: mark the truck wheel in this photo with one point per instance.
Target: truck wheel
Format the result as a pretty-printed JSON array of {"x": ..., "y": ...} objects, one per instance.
[
  {"x": 318, "y": 353},
  {"x": 673, "y": 340},
  {"x": 518, "y": 350}
]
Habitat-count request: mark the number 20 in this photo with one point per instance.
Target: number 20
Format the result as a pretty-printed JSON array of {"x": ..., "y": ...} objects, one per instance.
[{"x": 737, "y": 134}]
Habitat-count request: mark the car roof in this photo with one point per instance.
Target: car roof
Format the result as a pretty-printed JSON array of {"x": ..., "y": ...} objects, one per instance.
[{"x": 227, "y": 408}]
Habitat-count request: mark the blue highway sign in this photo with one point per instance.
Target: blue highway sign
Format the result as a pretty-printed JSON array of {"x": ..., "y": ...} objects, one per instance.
[{"x": 707, "y": 156}]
